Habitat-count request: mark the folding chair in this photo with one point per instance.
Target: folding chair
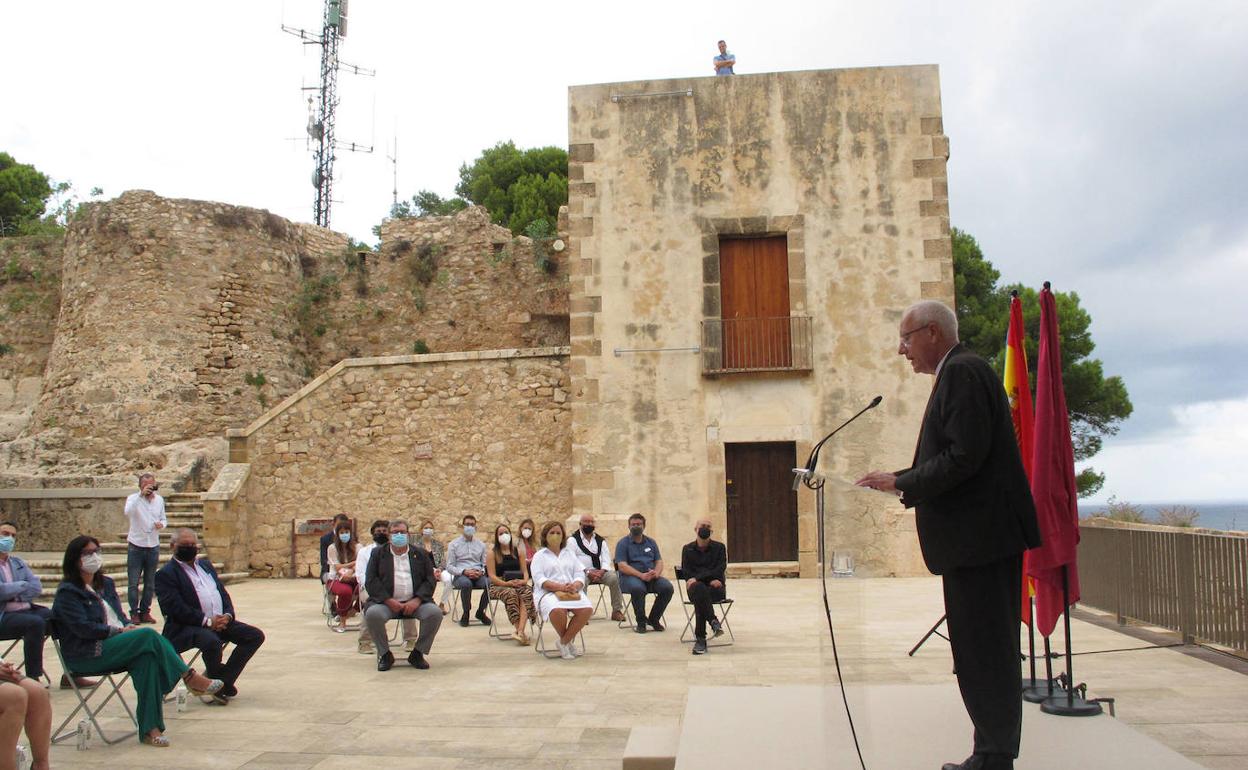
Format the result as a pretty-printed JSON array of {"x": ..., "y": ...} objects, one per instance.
[
  {"x": 628, "y": 621},
  {"x": 83, "y": 728},
  {"x": 457, "y": 608},
  {"x": 328, "y": 609},
  {"x": 724, "y": 605},
  {"x": 540, "y": 646},
  {"x": 601, "y": 601},
  {"x": 4, "y": 657}
]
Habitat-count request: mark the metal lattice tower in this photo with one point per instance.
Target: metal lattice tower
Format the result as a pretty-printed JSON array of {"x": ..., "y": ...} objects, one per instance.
[{"x": 324, "y": 104}]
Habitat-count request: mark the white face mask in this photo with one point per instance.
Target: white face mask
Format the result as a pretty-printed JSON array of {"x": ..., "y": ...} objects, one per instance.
[
  {"x": 427, "y": 532},
  {"x": 505, "y": 538},
  {"x": 91, "y": 563},
  {"x": 528, "y": 533}
]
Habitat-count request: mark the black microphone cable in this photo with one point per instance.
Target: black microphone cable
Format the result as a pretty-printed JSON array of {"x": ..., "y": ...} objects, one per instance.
[{"x": 836, "y": 658}]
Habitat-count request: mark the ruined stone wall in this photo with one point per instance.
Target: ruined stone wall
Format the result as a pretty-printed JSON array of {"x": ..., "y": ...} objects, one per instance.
[
  {"x": 170, "y": 310},
  {"x": 30, "y": 297},
  {"x": 849, "y": 166},
  {"x": 439, "y": 284},
  {"x": 47, "y": 519},
  {"x": 437, "y": 436}
]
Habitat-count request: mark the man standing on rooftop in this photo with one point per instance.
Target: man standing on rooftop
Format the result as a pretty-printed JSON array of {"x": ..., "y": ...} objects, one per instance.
[{"x": 725, "y": 61}]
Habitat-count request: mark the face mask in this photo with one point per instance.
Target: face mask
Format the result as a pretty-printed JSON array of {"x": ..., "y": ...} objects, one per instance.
[
  {"x": 427, "y": 532},
  {"x": 528, "y": 533},
  {"x": 555, "y": 539},
  {"x": 637, "y": 530},
  {"x": 469, "y": 530},
  {"x": 344, "y": 537},
  {"x": 588, "y": 530},
  {"x": 505, "y": 538},
  {"x": 91, "y": 563},
  {"x": 399, "y": 539},
  {"x": 381, "y": 538},
  {"x": 6, "y": 544},
  {"x": 186, "y": 553},
  {"x": 704, "y": 533}
]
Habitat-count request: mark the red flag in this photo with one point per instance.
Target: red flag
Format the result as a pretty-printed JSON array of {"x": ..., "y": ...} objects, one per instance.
[
  {"x": 1053, "y": 479},
  {"x": 1018, "y": 390}
]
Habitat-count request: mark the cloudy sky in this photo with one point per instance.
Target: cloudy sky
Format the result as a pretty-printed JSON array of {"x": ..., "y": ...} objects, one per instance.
[{"x": 1100, "y": 145}]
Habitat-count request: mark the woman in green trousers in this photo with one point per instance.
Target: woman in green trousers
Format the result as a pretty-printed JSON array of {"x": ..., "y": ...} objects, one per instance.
[{"x": 97, "y": 638}]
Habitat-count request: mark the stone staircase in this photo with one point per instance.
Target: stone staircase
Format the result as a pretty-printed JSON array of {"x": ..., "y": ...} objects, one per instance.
[{"x": 182, "y": 509}]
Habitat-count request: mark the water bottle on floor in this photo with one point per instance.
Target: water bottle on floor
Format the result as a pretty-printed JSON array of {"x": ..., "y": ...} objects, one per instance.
[
  {"x": 84, "y": 735},
  {"x": 180, "y": 693},
  {"x": 23, "y": 758}
]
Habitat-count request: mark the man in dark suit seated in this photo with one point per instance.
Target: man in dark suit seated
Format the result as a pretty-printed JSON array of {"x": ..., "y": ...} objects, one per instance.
[
  {"x": 199, "y": 613},
  {"x": 400, "y": 584},
  {"x": 975, "y": 517}
]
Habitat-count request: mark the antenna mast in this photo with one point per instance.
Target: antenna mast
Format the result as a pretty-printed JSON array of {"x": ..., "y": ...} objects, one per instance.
[{"x": 323, "y": 106}]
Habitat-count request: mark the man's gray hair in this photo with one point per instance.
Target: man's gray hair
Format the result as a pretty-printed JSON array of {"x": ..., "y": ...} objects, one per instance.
[
  {"x": 395, "y": 522},
  {"x": 930, "y": 311},
  {"x": 177, "y": 535}
]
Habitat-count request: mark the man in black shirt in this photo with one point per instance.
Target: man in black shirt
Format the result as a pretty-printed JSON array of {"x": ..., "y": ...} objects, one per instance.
[{"x": 702, "y": 564}]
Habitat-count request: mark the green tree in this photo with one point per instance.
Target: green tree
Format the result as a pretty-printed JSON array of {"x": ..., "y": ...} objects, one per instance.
[
  {"x": 24, "y": 193},
  {"x": 1097, "y": 404},
  {"x": 517, "y": 186},
  {"x": 427, "y": 203}
]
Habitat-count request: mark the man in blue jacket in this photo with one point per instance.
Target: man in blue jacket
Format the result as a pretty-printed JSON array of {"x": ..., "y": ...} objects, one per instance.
[
  {"x": 20, "y": 618},
  {"x": 199, "y": 613}
]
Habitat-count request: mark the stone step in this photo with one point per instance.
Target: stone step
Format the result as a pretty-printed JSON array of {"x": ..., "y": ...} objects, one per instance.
[
  {"x": 763, "y": 569},
  {"x": 117, "y": 572},
  {"x": 164, "y": 534},
  {"x": 651, "y": 748}
]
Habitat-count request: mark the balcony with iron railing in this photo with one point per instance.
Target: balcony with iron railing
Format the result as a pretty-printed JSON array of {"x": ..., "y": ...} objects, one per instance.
[{"x": 738, "y": 345}]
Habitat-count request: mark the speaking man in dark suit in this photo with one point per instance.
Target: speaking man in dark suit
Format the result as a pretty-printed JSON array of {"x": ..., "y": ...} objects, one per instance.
[
  {"x": 400, "y": 584},
  {"x": 975, "y": 517},
  {"x": 199, "y": 613}
]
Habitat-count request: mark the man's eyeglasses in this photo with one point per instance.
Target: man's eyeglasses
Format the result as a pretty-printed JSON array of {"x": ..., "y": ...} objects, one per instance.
[{"x": 905, "y": 336}]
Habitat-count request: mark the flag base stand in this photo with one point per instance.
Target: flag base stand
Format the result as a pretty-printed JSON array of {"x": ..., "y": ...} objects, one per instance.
[
  {"x": 1071, "y": 705},
  {"x": 1037, "y": 692}
]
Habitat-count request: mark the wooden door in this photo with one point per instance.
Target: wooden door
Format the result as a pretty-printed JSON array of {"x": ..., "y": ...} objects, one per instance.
[
  {"x": 762, "y": 506},
  {"x": 754, "y": 302}
]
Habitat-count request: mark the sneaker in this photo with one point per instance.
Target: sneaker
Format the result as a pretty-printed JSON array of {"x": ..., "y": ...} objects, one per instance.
[
  {"x": 565, "y": 651},
  {"x": 409, "y": 645},
  {"x": 699, "y": 646},
  {"x": 717, "y": 627},
  {"x": 365, "y": 647}
]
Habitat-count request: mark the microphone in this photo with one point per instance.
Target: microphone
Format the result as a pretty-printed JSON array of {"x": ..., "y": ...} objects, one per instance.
[{"x": 801, "y": 474}]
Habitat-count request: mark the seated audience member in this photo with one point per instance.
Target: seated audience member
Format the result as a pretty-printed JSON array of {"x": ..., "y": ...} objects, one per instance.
[
  {"x": 437, "y": 552},
  {"x": 641, "y": 572},
  {"x": 24, "y": 703},
  {"x": 326, "y": 540},
  {"x": 595, "y": 556},
  {"x": 380, "y": 538},
  {"x": 200, "y": 614},
  {"x": 527, "y": 542},
  {"x": 703, "y": 563},
  {"x": 465, "y": 558},
  {"x": 503, "y": 567},
  {"x": 19, "y": 617},
  {"x": 559, "y": 589},
  {"x": 400, "y": 585},
  {"x": 341, "y": 556},
  {"x": 96, "y": 637}
]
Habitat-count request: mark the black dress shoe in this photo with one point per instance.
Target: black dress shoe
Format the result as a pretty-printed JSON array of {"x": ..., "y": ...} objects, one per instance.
[
  {"x": 418, "y": 660},
  {"x": 464, "y": 620},
  {"x": 385, "y": 662},
  {"x": 481, "y": 616},
  {"x": 229, "y": 691},
  {"x": 657, "y": 626},
  {"x": 641, "y": 627}
]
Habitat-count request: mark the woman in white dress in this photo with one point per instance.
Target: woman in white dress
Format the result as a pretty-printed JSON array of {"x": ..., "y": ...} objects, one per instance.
[{"x": 559, "y": 588}]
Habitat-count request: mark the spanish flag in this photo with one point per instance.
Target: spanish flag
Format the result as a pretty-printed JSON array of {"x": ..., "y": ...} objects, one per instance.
[{"x": 1018, "y": 390}]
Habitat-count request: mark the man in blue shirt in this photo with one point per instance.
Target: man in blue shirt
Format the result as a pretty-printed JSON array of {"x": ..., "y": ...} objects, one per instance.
[
  {"x": 640, "y": 564},
  {"x": 725, "y": 61}
]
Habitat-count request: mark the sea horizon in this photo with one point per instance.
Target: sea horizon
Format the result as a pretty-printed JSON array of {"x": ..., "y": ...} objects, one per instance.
[{"x": 1222, "y": 514}]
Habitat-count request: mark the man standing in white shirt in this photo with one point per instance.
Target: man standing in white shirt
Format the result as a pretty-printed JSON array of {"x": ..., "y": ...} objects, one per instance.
[
  {"x": 146, "y": 511},
  {"x": 595, "y": 556},
  {"x": 400, "y": 584}
]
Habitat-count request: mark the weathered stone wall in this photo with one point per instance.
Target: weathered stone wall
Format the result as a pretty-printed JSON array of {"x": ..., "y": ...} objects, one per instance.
[
  {"x": 169, "y": 308},
  {"x": 437, "y": 435},
  {"x": 453, "y": 283},
  {"x": 849, "y": 165},
  {"x": 30, "y": 296},
  {"x": 47, "y": 519}
]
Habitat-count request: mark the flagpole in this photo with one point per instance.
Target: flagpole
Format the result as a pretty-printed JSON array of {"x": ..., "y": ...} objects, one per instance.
[
  {"x": 1032, "y": 692},
  {"x": 1071, "y": 705}
]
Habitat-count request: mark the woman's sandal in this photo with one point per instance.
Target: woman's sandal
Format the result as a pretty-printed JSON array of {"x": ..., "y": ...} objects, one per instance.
[
  {"x": 159, "y": 741},
  {"x": 214, "y": 685},
  {"x": 521, "y": 639}
]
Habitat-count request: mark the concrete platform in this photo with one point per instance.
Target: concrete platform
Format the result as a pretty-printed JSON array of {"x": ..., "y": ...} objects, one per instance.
[
  {"x": 899, "y": 726},
  {"x": 309, "y": 700}
]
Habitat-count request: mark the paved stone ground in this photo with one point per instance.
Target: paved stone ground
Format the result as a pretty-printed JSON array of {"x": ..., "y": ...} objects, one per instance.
[{"x": 309, "y": 700}]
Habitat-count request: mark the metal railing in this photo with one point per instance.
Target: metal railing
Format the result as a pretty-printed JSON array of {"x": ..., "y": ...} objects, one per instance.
[
  {"x": 1195, "y": 583},
  {"x": 756, "y": 345}
]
